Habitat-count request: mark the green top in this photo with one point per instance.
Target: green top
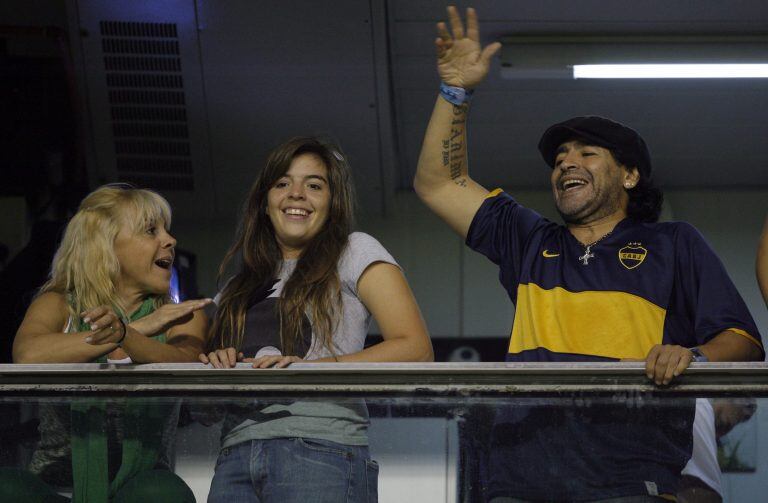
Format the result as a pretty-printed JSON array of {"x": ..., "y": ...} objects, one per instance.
[{"x": 142, "y": 437}]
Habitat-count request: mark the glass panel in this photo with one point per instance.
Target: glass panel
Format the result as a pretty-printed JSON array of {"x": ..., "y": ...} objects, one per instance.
[{"x": 577, "y": 434}]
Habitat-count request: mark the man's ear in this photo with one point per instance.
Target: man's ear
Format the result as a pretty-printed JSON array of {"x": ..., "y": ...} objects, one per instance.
[{"x": 631, "y": 177}]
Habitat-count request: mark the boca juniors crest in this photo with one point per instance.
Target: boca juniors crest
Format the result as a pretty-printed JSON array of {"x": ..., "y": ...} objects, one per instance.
[{"x": 632, "y": 255}]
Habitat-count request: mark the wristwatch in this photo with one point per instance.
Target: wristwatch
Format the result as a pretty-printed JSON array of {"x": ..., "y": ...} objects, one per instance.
[{"x": 698, "y": 356}]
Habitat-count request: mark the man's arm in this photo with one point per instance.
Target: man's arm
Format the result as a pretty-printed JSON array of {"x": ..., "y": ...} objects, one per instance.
[
  {"x": 667, "y": 361},
  {"x": 762, "y": 262},
  {"x": 442, "y": 179}
]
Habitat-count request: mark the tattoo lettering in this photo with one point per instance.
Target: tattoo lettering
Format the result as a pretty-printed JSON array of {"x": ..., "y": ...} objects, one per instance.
[
  {"x": 446, "y": 144},
  {"x": 455, "y": 168},
  {"x": 456, "y": 146}
]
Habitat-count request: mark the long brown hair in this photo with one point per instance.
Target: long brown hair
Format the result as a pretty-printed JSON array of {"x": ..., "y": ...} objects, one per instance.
[{"x": 313, "y": 287}]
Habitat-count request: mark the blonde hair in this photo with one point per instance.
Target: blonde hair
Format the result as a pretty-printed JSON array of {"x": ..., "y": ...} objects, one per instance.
[{"x": 85, "y": 268}]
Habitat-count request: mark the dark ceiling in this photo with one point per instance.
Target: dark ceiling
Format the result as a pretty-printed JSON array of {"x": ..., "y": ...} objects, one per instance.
[{"x": 702, "y": 133}]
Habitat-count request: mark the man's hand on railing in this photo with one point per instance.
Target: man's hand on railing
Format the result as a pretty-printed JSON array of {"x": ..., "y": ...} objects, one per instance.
[{"x": 666, "y": 361}]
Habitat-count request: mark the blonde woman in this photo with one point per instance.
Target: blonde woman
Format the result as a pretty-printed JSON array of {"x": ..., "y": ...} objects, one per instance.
[
  {"x": 107, "y": 301},
  {"x": 108, "y": 292}
]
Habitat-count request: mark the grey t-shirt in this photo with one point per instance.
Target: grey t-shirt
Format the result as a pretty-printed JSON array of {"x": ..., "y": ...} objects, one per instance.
[{"x": 345, "y": 422}]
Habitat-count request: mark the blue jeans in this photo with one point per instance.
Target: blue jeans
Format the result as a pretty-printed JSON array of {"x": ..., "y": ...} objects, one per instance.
[{"x": 294, "y": 470}]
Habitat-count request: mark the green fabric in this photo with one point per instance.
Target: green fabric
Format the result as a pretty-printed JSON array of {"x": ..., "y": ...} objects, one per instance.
[
  {"x": 22, "y": 486},
  {"x": 142, "y": 438},
  {"x": 155, "y": 485}
]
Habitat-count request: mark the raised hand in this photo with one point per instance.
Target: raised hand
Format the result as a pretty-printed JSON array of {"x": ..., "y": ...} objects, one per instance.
[
  {"x": 105, "y": 325},
  {"x": 167, "y": 316},
  {"x": 461, "y": 61},
  {"x": 222, "y": 358}
]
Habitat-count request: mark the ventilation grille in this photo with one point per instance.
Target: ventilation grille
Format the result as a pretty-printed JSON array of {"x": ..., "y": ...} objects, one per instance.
[{"x": 147, "y": 104}]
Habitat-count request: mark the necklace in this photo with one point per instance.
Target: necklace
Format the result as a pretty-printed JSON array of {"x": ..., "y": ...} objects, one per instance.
[{"x": 584, "y": 259}]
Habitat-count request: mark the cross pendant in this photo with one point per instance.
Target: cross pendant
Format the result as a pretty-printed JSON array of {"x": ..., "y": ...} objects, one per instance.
[{"x": 584, "y": 259}]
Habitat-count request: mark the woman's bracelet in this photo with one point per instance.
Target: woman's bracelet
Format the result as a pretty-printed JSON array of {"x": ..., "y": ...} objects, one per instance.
[{"x": 125, "y": 332}]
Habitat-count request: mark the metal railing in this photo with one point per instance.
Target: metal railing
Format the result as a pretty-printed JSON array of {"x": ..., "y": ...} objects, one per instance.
[{"x": 431, "y": 379}]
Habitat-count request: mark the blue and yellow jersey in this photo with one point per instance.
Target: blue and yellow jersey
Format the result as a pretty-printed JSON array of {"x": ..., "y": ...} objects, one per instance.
[{"x": 643, "y": 284}]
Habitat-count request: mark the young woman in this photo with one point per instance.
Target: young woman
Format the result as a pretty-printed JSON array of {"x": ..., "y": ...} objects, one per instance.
[
  {"x": 305, "y": 291},
  {"x": 107, "y": 301}
]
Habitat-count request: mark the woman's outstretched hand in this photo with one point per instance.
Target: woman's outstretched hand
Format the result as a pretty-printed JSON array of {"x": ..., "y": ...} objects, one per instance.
[{"x": 167, "y": 316}]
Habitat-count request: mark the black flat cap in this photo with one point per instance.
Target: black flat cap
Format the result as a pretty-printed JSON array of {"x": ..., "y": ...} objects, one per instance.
[{"x": 626, "y": 144}]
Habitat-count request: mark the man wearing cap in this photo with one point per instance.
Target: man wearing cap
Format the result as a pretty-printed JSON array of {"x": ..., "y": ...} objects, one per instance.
[{"x": 611, "y": 284}]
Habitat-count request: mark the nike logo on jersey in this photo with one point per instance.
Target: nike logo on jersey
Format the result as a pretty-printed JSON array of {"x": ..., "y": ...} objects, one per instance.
[{"x": 549, "y": 254}]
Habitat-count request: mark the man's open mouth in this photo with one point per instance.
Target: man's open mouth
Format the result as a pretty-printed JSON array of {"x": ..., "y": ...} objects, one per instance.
[{"x": 572, "y": 184}]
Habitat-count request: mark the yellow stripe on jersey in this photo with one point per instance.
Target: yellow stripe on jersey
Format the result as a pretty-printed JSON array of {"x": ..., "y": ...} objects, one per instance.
[
  {"x": 493, "y": 193},
  {"x": 747, "y": 336},
  {"x": 609, "y": 324}
]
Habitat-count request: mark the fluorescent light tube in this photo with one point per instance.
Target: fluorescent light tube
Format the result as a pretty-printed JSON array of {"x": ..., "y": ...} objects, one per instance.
[{"x": 671, "y": 71}]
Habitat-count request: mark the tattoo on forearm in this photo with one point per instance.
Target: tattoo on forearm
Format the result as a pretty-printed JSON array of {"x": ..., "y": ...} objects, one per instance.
[
  {"x": 446, "y": 143},
  {"x": 453, "y": 148}
]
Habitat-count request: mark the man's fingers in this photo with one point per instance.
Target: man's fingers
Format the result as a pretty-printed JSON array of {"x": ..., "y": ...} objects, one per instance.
[
  {"x": 489, "y": 51},
  {"x": 442, "y": 32},
  {"x": 663, "y": 364},
  {"x": 473, "y": 33},
  {"x": 455, "y": 20},
  {"x": 442, "y": 47},
  {"x": 669, "y": 370},
  {"x": 671, "y": 361},
  {"x": 685, "y": 361},
  {"x": 650, "y": 361}
]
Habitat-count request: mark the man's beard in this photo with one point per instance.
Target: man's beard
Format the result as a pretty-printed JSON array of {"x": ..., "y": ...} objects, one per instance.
[{"x": 600, "y": 206}]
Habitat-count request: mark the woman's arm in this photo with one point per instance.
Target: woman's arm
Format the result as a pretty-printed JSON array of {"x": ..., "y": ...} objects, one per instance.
[
  {"x": 184, "y": 342},
  {"x": 41, "y": 337},
  {"x": 385, "y": 292}
]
